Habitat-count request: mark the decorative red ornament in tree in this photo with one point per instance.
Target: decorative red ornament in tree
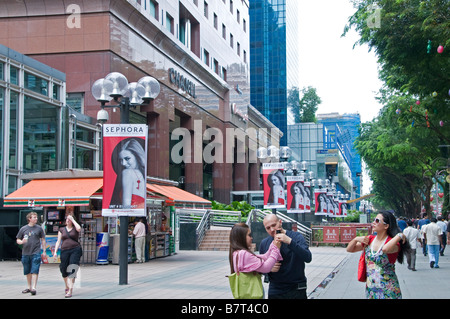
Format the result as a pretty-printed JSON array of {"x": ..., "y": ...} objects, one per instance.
[{"x": 440, "y": 49}]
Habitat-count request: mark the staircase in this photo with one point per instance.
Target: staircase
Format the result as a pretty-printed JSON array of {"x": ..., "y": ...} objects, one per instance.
[{"x": 216, "y": 239}]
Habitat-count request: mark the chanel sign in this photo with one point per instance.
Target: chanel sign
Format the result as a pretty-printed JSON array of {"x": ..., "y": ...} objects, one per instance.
[{"x": 182, "y": 82}]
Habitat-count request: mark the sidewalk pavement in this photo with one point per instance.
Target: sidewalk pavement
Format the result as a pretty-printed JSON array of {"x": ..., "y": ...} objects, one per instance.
[
  {"x": 425, "y": 283},
  {"x": 185, "y": 275},
  {"x": 201, "y": 275}
]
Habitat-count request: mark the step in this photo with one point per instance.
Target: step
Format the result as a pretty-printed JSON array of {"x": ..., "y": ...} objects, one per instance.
[{"x": 216, "y": 240}]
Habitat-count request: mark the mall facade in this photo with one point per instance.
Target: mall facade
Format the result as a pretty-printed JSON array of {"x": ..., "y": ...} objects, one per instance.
[{"x": 197, "y": 50}]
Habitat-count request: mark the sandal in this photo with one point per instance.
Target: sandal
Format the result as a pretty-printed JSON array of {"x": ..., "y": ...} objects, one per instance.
[
  {"x": 33, "y": 291},
  {"x": 68, "y": 294},
  {"x": 26, "y": 291}
]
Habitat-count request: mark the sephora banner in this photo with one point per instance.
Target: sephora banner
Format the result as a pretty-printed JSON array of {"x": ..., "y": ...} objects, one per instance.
[{"x": 124, "y": 169}]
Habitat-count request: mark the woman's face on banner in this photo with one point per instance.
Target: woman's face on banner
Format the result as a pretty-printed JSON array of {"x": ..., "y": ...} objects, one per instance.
[
  {"x": 127, "y": 159},
  {"x": 275, "y": 180}
]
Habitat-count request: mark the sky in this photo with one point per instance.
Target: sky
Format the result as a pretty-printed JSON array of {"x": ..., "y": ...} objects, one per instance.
[{"x": 346, "y": 78}]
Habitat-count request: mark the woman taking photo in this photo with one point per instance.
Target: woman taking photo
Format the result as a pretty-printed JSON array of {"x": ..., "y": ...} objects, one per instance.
[
  {"x": 70, "y": 252},
  {"x": 381, "y": 251},
  {"x": 247, "y": 261}
]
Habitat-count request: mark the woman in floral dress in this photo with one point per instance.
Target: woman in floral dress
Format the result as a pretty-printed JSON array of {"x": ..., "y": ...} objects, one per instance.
[{"x": 381, "y": 251}]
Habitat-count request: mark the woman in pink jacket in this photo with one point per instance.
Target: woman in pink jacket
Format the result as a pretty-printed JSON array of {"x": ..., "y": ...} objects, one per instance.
[{"x": 240, "y": 243}]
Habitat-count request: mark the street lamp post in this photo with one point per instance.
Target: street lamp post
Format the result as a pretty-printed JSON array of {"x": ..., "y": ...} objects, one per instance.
[{"x": 126, "y": 95}]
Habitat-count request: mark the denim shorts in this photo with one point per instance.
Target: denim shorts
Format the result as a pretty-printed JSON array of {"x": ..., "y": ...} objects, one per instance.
[{"x": 31, "y": 264}]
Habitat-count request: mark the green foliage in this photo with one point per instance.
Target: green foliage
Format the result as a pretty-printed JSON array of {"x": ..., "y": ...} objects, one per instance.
[
  {"x": 304, "y": 109},
  {"x": 401, "y": 146},
  {"x": 242, "y": 206}
]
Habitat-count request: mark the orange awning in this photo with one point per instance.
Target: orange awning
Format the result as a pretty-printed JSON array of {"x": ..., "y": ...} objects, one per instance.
[
  {"x": 54, "y": 192},
  {"x": 179, "y": 197}
]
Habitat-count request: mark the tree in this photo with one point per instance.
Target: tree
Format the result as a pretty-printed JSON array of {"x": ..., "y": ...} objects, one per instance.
[
  {"x": 416, "y": 97},
  {"x": 309, "y": 104}
]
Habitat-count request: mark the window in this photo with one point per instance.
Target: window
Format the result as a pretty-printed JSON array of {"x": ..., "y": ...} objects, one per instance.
[
  {"x": 215, "y": 21},
  {"x": 13, "y": 75},
  {"x": 231, "y": 40},
  {"x": 224, "y": 74},
  {"x": 75, "y": 101},
  {"x": 39, "y": 136},
  {"x": 206, "y": 57},
  {"x": 1, "y": 71},
  {"x": 169, "y": 23},
  {"x": 224, "y": 31},
  {"x": 205, "y": 9},
  {"x": 154, "y": 9},
  {"x": 231, "y": 6},
  {"x": 35, "y": 83},
  {"x": 238, "y": 49},
  {"x": 245, "y": 56},
  {"x": 244, "y": 25},
  {"x": 216, "y": 66},
  {"x": 238, "y": 16}
]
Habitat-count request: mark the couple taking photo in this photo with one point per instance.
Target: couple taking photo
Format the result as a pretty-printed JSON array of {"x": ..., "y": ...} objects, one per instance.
[{"x": 282, "y": 257}]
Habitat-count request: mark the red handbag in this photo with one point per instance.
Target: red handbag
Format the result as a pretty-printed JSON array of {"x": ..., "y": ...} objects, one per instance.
[{"x": 362, "y": 274}]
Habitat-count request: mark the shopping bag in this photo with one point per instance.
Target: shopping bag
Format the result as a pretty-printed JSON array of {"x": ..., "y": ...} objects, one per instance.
[{"x": 246, "y": 285}]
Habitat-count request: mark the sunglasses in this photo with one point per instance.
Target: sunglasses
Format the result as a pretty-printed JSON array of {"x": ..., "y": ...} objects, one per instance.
[{"x": 377, "y": 221}]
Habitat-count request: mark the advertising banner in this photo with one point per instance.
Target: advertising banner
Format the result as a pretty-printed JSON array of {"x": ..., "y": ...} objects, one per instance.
[
  {"x": 342, "y": 208},
  {"x": 298, "y": 195},
  {"x": 320, "y": 197},
  {"x": 273, "y": 180},
  {"x": 124, "y": 169}
]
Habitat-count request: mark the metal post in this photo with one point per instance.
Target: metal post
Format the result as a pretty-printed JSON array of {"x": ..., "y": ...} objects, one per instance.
[
  {"x": 123, "y": 251},
  {"x": 123, "y": 239}
]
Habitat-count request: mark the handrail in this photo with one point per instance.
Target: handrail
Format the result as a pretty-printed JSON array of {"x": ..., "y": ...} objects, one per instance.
[
  {"x": 258, "y": 215},
  {"x": 207, "y": 218}
]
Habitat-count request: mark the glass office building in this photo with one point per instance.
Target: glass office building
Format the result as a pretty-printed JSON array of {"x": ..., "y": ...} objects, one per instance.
[
  {"x": 273, "y": 58},
  {"x": 342, "y": 132}
]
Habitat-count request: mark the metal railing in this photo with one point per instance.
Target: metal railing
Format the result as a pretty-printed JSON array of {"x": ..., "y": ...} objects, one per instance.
[
  {"x": 257, "y": 215},
  {"x": 208, "y": 218}
]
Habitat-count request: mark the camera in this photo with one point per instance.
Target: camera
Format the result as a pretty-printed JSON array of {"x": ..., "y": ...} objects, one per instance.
[{"x": 278, "y": 231}]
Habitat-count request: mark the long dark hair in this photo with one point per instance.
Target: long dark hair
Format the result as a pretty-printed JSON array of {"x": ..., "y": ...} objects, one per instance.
[
  {"x": 393, "y": 230},
  {"x": 238, "y": 241}
]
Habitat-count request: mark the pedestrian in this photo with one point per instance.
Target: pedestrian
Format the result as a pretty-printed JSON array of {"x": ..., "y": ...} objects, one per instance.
[
  {"x": 402, "y": 223},
  {"x": 412, "y": 236},
  {"x": 433, "y": 237},
  {"x": 443, "y": 227},
  {"x": 381, "y": 251},
  {"x": 32, "y": 238},
  {"x": 424, "y": 221},
  {"x": 71, "y": 252},
  {"x": 139, "y": 241},
  {"x": 247, "y": 261},
  {"x": 287, "y": 279}
]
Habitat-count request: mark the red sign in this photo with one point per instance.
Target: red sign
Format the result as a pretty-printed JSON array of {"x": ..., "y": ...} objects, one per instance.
[
  {"x": 331, "y": 234},
  {"x": 347, "y": 234}
]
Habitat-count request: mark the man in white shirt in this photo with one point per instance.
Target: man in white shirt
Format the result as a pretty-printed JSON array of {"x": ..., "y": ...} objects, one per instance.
[
  {"x": 443, "y": 227},
  {"x": 139, "y": 243},
  {"x": 433, "y": 237},
  {"x": 412, "y": 235}
]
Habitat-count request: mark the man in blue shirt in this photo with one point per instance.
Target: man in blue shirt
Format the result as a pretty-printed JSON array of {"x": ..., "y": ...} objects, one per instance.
[
  {"x": 287, "y": 279},
  {"x": 422, "y": 222}
]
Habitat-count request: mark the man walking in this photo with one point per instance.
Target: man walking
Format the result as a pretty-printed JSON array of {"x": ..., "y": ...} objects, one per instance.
[
  {"x": 32, "y": 237},
  {"x": 423, "y": 222},
  {"x": 443, "y": 227},
  {"x": 287, "y": 279},
  {"x": 412, "y": 235},
  {"x": 433, "y": 236}
]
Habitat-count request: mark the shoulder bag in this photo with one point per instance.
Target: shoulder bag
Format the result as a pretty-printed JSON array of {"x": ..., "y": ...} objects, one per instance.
[{"x": 246, "y": 285}]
